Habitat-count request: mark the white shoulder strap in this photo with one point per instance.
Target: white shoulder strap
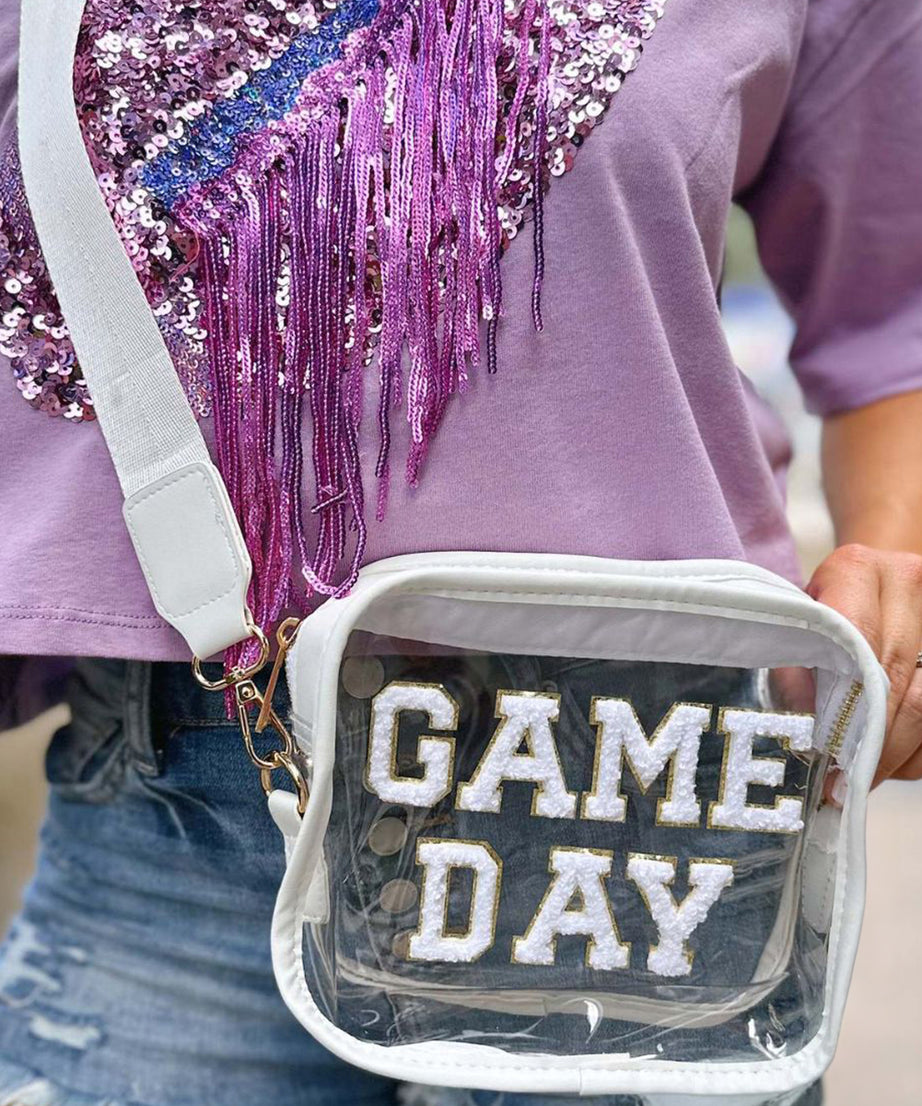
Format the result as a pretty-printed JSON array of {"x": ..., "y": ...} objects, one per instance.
[{"x": 176, "y": 506}]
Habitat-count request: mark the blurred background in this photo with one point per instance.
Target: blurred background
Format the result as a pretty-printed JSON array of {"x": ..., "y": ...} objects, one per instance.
[{"x": 879, "y": 1058}]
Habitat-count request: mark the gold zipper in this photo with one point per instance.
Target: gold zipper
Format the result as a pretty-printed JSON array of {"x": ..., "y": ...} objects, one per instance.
[{"x": 843, "y": 719}]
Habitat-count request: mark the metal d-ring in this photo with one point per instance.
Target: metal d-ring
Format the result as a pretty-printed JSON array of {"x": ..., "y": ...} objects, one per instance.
[{"x": 236, "y": 675}]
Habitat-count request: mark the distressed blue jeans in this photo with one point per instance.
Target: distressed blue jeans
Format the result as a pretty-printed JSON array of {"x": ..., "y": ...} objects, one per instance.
[{"x": 138, "y": 971}]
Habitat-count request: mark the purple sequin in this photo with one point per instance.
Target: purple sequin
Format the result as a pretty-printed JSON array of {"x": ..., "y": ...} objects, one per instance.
[{"x": 315, "y": 197}]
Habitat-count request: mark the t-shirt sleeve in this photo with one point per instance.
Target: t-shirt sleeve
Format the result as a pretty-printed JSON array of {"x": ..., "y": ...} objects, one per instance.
[{"x": 838, "y": 205}]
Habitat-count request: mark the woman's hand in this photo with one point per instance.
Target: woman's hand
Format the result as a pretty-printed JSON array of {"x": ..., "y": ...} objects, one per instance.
[
  {"x": 872, "y": 474},
  {"x": 881, "y": 593}
]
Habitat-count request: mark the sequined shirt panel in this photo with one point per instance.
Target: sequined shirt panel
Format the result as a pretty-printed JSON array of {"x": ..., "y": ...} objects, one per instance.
[{"x": 623, "y": 428}]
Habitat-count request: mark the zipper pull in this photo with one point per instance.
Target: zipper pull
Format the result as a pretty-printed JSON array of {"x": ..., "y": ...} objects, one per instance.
[{"x": 285, "y": 636}]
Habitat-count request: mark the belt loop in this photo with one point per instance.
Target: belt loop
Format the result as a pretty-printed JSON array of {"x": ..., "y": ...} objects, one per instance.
[{"x": 138, "y": 726}]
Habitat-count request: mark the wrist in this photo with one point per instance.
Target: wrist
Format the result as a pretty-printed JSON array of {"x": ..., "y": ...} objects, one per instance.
[{"x": 893, "y": 528}]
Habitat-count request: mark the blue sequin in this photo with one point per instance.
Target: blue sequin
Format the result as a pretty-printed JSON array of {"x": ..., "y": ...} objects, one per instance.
[{"x": 210, "y": 146}]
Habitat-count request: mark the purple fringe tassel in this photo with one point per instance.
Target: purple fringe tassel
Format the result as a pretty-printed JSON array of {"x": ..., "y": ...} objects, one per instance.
[{"x": 358, "y": 237}]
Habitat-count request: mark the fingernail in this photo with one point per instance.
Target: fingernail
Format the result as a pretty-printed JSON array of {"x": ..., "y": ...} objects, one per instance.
[{"x": 840, "y": 790}]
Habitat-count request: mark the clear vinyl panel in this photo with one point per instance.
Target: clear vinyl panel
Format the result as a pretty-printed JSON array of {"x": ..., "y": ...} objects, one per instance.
[{"x": 565, "y": 855}]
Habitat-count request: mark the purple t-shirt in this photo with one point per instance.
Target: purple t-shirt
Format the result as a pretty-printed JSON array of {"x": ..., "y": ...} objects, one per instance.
[{"x": 623, "y": 429}]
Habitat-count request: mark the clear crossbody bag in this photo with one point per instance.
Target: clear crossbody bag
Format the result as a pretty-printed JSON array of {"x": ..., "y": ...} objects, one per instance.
[
  {"x": 566, "y": 827},
  {"x": 559, "y": 823}
]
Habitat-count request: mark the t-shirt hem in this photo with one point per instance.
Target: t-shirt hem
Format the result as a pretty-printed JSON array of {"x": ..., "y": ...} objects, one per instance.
[{"x": 41, "y": 632}]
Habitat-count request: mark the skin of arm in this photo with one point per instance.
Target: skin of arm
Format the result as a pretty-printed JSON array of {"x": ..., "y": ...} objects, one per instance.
[{"x": 872, "y": 477}]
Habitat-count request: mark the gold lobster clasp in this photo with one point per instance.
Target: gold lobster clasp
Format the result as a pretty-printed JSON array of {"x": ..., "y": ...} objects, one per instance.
[{"x": 247, "y": 696}]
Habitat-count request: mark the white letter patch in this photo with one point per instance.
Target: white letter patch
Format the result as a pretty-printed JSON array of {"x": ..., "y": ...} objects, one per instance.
[
  {"x": 437, "y": 754},
  {"x": 620, "y": 735},
  {"x": 740, "y": 769},
  {"x": 578, "y": 873},
  {"x": 526, "y": 716},
  {"x": 676, "y": 923},
  {"x": 439, "y": 857}
]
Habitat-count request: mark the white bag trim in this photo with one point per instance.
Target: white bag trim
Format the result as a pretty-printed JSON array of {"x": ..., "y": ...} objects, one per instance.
[
  {"x": 198, "y": 578},
  {"x": 719, "y": 588}
]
